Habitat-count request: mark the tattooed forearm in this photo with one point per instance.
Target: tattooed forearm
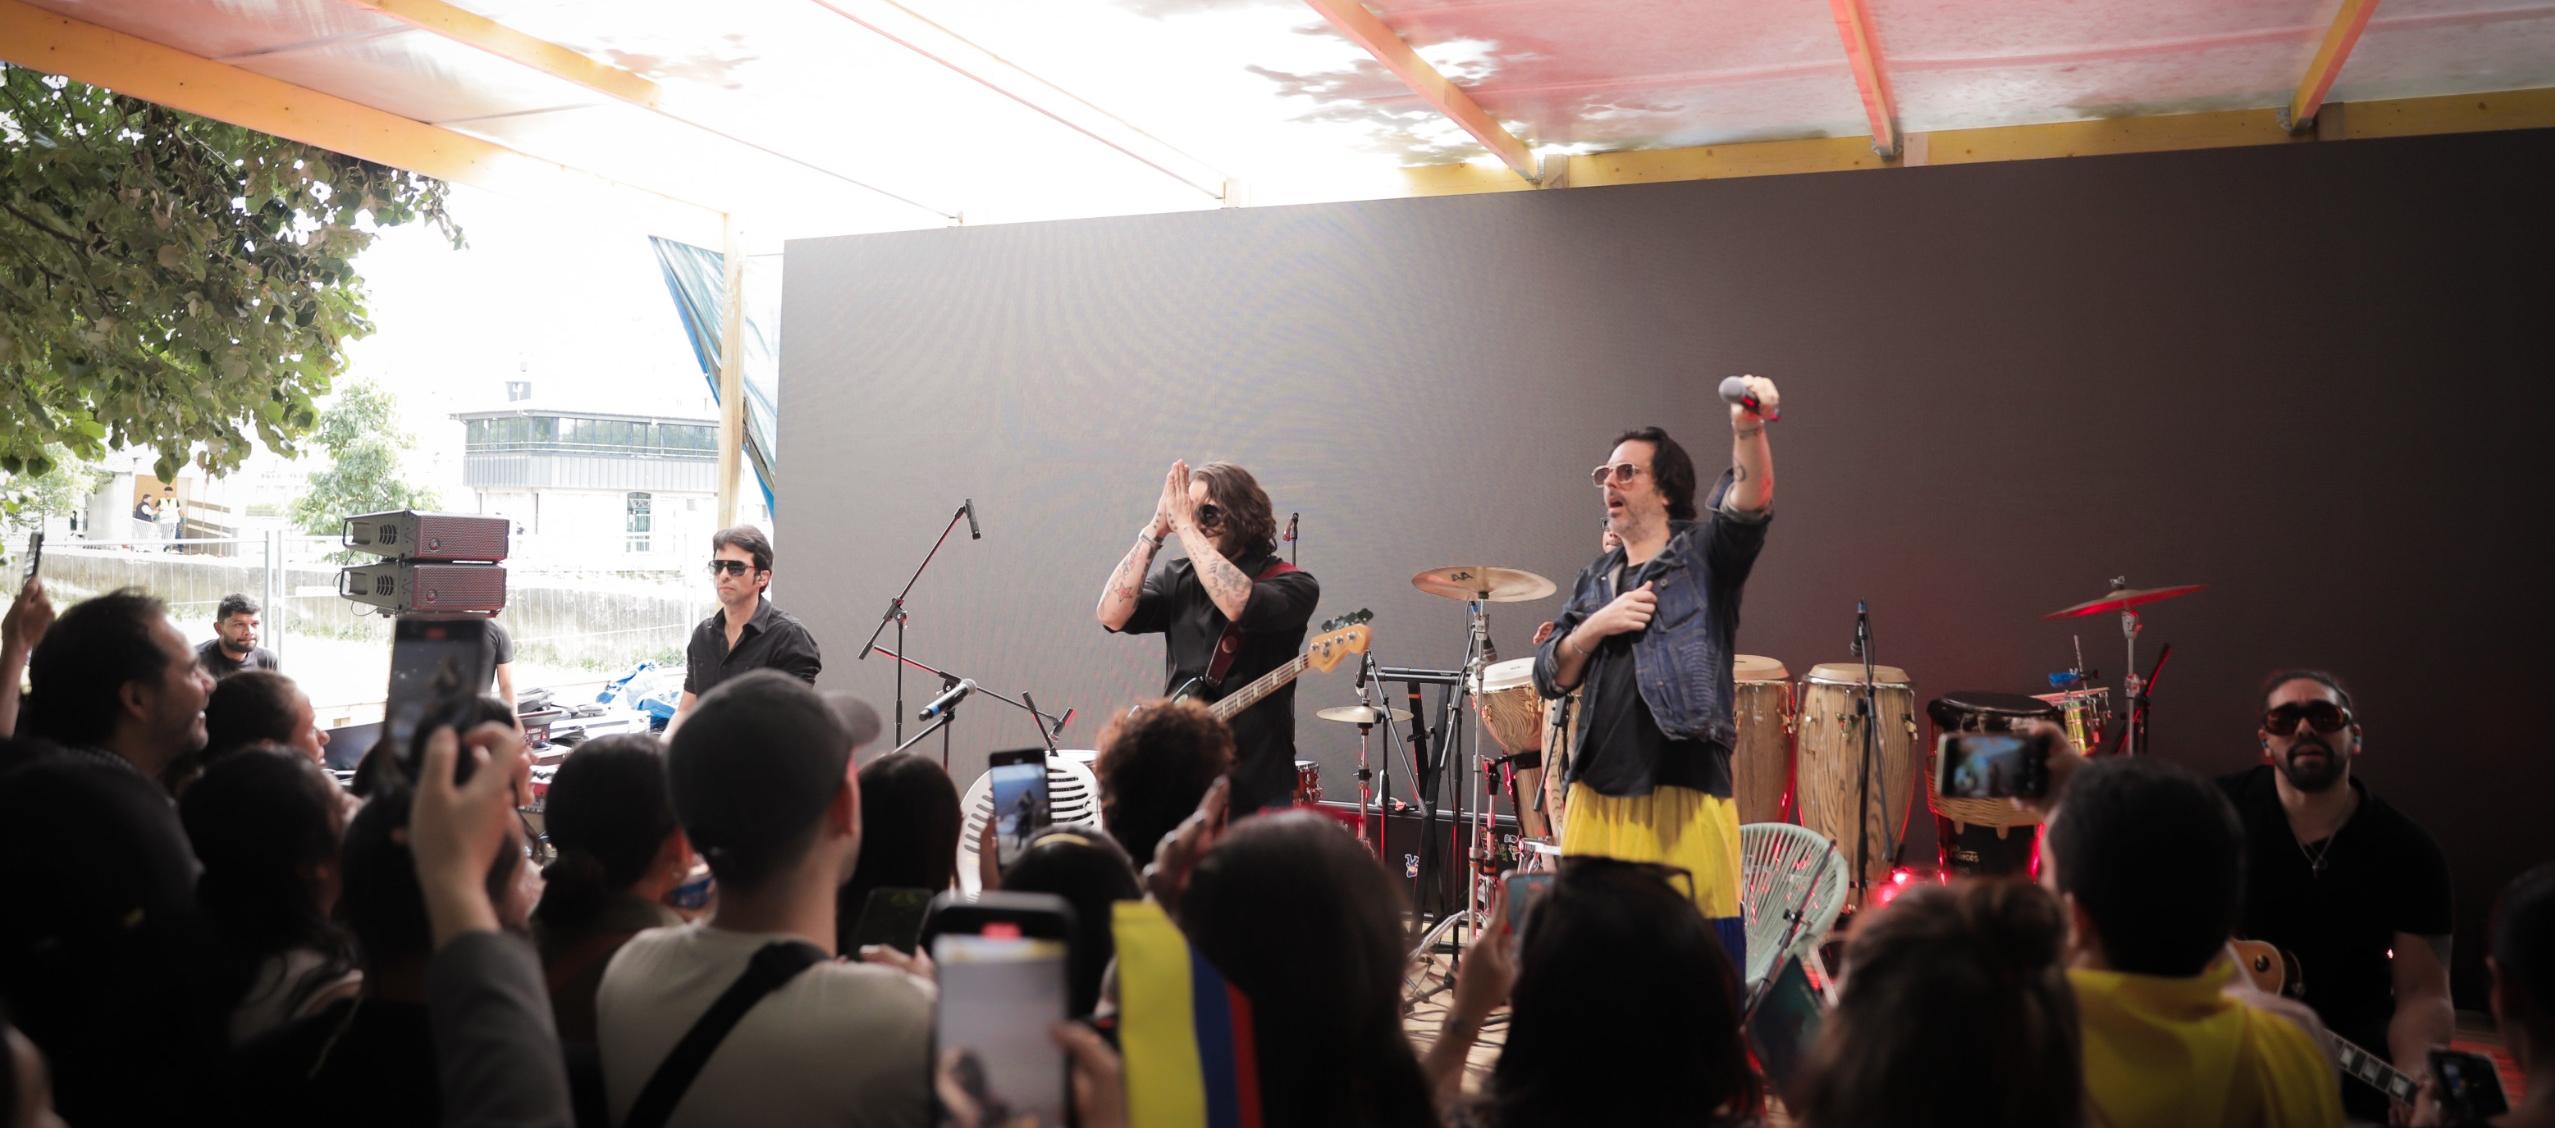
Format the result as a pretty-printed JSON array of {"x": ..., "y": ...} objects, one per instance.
[
  {"x": 1225, "y": 584},
  {"x": 1126, "y": 584}
]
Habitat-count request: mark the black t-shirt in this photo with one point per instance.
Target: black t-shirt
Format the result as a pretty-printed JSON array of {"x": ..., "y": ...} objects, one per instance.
[
  {"x": 1621, "y": 751},
  {"x": 1175, "y": 605},
  {"x": 498, "y": 648},
  {"x": 772, "y": 639},
  {"x": 363, "y": 1060},
  {"x": 2382, "y": 875},
  {"x": 209, "y": 655}
]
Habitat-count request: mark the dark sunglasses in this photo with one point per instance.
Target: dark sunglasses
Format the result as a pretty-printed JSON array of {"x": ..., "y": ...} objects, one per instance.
[
  {"x": 1210, "y": 514},
  {"x": 731, "y": 567},
  {"x": 2324, "y": 715}
]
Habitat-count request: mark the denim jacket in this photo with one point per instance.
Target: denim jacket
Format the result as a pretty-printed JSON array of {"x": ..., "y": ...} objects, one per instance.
[{"x": 1682, "y": 659}]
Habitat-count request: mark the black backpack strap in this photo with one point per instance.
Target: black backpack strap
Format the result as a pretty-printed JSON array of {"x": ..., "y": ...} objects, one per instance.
[{"x": 772, "y": 967}]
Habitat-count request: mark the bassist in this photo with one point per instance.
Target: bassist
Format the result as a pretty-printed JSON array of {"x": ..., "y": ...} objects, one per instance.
[{"x": 1231, "y": 594}]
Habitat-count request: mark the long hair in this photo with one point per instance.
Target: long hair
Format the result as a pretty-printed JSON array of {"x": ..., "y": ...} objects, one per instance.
[
  {"x": 261, "y": 820},
  {"x": 910, "y": 825},
  {"x": 1092, "y": 874},
  {"x": 1670, "y": 466},
  {"x": 608, "y": 816},
  {"x": 1300, "y": 918},
  {"x": 1620, "y": 977},
  {"x": 1250, "y": 526},
  {"x": 1956, "y": 1011}
]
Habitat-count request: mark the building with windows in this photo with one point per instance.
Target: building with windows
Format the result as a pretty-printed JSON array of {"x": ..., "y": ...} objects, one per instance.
[{"x": 615, "y": 490}]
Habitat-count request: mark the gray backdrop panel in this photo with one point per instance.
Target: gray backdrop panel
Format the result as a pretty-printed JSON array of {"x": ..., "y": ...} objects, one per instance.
[{"x": 2313, "y": 377}]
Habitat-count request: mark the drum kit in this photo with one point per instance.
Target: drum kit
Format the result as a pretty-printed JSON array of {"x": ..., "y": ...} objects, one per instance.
[{"x": 1838, "y": 743}]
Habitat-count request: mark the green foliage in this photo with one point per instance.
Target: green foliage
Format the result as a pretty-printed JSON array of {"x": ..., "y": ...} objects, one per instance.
[
  {"x": 171, "y": 282},
  {"x": 361, "y": 431},
  {"x": 65, "y": 485}
]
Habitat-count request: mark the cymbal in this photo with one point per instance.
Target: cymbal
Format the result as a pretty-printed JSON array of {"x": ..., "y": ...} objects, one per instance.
[
  {"x": 1495, "y": 585},
  {"x": 2122, "y": 599},
  {"x": 1362, "y": 714}
]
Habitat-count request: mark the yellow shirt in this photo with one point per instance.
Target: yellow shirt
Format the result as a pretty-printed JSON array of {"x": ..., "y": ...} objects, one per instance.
[{"x": 2165, "y": 1052}]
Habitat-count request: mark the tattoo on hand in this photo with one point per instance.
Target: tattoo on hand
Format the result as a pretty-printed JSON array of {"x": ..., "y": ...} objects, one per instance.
[{"x": 1750, "y": 432}]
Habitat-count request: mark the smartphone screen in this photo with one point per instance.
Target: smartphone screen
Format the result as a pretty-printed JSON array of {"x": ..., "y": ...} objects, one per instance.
[
  {"x": 1019, "y": 782},
  {"x": 893, "y": 917},
  {"x": 1000, "y": 991},
  {"x": 1990, "y": 766},
  {"x": 1523, "y": 888},
  {"x": 435, "y": 664},
  {"x": 2470, "y": 1087},
  {"x": 1785, "y": 1023}
]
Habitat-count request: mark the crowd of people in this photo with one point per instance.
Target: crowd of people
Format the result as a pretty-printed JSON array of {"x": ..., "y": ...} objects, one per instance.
[{"x": 205, "y": 925}]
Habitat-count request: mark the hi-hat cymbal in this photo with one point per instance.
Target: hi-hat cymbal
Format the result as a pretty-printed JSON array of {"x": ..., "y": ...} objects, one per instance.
[
  {"x": 1494, "y": 585},
  {"x": 2122, "y": 599},
  {"x": 1363, "y": 714}
]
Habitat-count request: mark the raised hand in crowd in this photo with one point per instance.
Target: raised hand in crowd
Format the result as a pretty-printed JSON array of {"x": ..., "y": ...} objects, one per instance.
[
  {"x": 1168, "y": 876},
  {"x": 30, "y": 615}
]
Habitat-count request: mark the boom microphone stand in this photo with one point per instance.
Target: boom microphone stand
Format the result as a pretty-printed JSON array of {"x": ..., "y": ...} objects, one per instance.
[
  {"x": 1868, "y": 706},
  {"x": 1049, "y": 726},
  {"x": 896, "y": 614}
]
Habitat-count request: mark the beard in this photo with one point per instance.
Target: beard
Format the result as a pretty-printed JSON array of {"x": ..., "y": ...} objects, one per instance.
[{"x": 2315, "y": 775}]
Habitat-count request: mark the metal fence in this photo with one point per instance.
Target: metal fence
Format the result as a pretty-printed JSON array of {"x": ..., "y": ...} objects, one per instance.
[{"x": 573, "y": 627}]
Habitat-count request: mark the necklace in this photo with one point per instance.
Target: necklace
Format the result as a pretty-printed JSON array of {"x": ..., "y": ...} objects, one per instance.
[{"x": 2315, "y": 858}]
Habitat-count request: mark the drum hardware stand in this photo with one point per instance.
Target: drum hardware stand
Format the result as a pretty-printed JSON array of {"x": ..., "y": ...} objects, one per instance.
[
  {"x": 2133, "y": 735},
  {"x": 1868, "y": 707},
  {"x": 896, "y": 615},
  {"x": 2131, "y": 696},
  {"x": 1454, "y": 732}
]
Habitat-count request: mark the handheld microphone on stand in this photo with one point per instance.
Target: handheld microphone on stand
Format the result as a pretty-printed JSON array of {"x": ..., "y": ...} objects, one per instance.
[
  {"x": 948, "y": 699},
  {"x": 969, "y": 507},
  {"x": 1862, "y": 627},
  {"x": 1294, "y": 549}
]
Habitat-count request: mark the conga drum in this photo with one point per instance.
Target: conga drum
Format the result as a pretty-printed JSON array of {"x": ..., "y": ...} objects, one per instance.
[
  {"x": 1513, "y": 715},
  {"x": 1828, "y": 768},
  {"x": 1761, "y": 764},
  {"x": 1983, "y": 836}
]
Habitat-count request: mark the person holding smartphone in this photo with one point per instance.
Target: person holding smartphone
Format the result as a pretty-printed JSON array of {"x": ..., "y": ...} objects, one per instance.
[{"x": 1647, "y": 639}]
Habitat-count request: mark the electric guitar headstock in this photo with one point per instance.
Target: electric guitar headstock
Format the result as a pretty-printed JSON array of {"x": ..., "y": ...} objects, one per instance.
[{"x": 1341, "y": 637}]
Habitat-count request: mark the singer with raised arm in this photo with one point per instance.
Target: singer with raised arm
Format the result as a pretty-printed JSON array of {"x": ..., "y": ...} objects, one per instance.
[
  {"x": 1647, "y": 639},
  {"x": 1230, "y": 611}
]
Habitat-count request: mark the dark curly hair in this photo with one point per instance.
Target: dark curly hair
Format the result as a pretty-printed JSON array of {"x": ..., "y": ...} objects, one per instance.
[{"x": 1156, "y": 762}]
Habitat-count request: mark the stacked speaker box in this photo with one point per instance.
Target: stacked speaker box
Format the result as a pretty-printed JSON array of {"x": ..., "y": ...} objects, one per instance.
[{"x": 435, "y": 563}]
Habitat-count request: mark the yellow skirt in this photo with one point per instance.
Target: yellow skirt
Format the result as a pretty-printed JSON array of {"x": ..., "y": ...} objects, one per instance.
[{"x": 1672, "y": 826}]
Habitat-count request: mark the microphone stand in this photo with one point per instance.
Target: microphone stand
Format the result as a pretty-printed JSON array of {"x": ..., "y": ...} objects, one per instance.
[
  {"x": 896, "y": 614},
  {"x": 941, "y": 726}
]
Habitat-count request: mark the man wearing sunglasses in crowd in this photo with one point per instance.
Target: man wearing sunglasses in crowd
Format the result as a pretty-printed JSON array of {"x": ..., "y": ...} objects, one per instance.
[
  {"x": 1647, "y": 638},
  {"x": 2340, "y": 879},
  {"x": 1232, "y": 578},
  {"x": 747, "y": 633}
]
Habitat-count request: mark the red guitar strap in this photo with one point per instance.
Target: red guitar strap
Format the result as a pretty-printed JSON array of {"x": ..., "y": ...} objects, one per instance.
[{"x": 1230, "y": 642}]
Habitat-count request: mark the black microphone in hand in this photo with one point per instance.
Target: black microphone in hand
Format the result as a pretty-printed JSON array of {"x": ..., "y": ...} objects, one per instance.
[
  {"x": 1734, "y": 389},
  {"x": 948, "y": 699},
  {"x": 973, "y": 533}
]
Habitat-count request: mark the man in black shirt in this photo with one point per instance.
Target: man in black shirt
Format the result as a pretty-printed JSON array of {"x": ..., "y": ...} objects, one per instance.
[
  {"x": 234, "y": 647},
  {"x": 2345, "y": 882},
  {"x": 1232, "y": 578},
  {"x": 1650, "y": 780},
  {"x": 748, "y": 633}
]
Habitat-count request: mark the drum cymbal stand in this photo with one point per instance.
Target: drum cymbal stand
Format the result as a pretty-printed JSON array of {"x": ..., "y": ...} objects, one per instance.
[
  {"x": 1451, "y": 928},
  {"x": 2132, "y": 688}
]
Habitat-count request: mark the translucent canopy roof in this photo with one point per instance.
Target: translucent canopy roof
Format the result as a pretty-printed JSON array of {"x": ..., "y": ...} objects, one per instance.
[{"x": 807, "y": 117}]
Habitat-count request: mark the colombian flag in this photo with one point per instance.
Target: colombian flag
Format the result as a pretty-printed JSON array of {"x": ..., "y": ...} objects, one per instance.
[{"x": 1184, "y": 1031}]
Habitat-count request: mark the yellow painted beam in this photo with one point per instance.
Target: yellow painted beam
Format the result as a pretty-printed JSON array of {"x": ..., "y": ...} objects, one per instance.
[
  {"x": 2339, "y": 38},
  {"x": 1715, "y": 162},
  {"x": 1351, "y": 19},
  {"x": 464, "y": 26},
  {"x": 731, "y": 375},
  {"x": 1863, "y": 52},
  {"x": 471, "y": 29},
  {"x": 2454, "y": 113},
  {"x": 2109, "y": 136},
  {"x": 40, "y": 40}
]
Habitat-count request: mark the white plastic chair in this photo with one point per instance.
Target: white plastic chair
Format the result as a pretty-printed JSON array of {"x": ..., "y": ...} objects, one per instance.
[
  {"x": 1073, "y": 797},
  {"x": 1787, "y": 874}
]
